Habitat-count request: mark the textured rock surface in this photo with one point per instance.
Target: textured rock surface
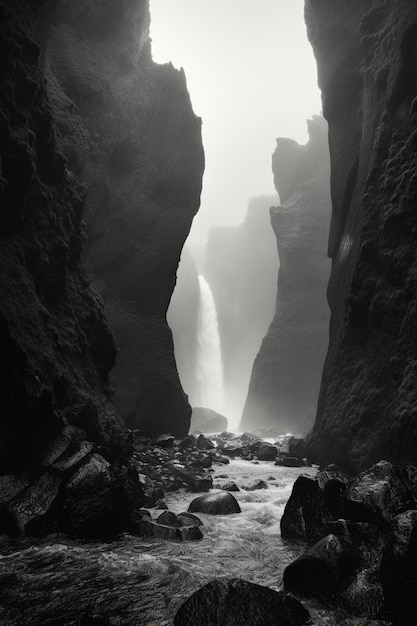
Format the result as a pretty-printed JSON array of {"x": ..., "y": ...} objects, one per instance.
[
  {"x": 128, "y": 130},
  {"x": 286, "y": 374},
  {"x": 366, "y": 66},
  {"x": 240, "y": 266},
  {"x": 55, "y": 346}
]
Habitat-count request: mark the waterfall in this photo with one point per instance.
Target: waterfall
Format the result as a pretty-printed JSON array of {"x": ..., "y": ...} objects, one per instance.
[{"x": 209, "y": 357}]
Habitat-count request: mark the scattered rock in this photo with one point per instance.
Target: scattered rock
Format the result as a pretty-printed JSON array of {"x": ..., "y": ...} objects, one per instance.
[
  {"x": 322, "y": 572},
  {"x": 168, "y": 518},
  {"x": 266, "y": 452},
  {"x": 258, "y": 484},
  {"x": 165, "y": 441},
  {"x": 188, "y": 519},
  {"x": 207, "y": 420},
  {"x": 204, "y": 443},
  {"x": 377, "y": 495},
  {"x": 234, "y": 602},
  {"x": 229, "y": 486},
  {"x": 292, "y": 461},
  {"x": 220, "y": 503}
]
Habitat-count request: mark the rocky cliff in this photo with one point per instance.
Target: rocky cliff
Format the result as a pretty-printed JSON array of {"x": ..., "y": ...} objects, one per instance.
[
  {"x": 240, "y": 265},
  {"x": 285, "y": 378},
  {"x": 128, "y": 130},
  {"x": 66, "y": 458},
  {"x": 366, "y": 59}
]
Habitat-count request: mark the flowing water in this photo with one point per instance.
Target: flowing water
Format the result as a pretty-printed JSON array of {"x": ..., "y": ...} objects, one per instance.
[
  {"x": 144, "y": 581},
  {"x": 209, "y": 357}
]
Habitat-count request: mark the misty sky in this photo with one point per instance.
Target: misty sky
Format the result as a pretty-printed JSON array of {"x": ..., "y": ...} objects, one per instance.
[{"x": 252, "y": 78}]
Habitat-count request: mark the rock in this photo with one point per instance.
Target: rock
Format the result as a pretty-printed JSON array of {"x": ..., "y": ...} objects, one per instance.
[
  {"x": 292, "y": 461},
  {"x": 168, "y": 518},
  {"x": 191, "y": 533},
  {"x": 258, "y": 484},
  {"x": 250, "y": 437},
  {"x": 150, "y": 528},
  {"x": 377, "y": 495},
  {"x": 73, "y": 456},
  {"x": 89, "y": 502},
  {"x": 12, "y": 485},
  {"x": 322, "y": 572},
  {"x": 165, "y": 441},
  {"x": 234, "y": 602},
  {"x": 207, "y": 420},
  {"x": 34, "y": 502},
  {"x": 399, "y": 569},
  {"x": 188, "y": 519},
  {"x": 286, "y": 374},
  {"x": 231, "y": 450},
  {"x": 365, "y": 595},
  {"x": 313, "y": 503},
  {"x": 229, "y": 486},
  {"x": 266, "y": 453},
  {"x": 188, "y": 442},
  {"x": 366, "y": 410},
  {"x": 302, "y": 517},
  {"x": 221, "y": 503},
  {"x": 410, "y": 479},
  {"x": 193, "y": 481},
  {"x": 161, "y": 504},
  {"x": 204, "y": 443}
]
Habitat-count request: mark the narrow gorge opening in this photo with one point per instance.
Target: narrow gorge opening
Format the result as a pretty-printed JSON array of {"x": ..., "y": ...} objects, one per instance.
[{"x": 243, "y": 87}]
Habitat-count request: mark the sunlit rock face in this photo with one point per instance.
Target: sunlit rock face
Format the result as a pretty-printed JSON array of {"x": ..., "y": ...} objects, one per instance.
[
  {"x": 128, "y": 130},
  {"x": 367, "y": 72},
  {"x": 56, "y": 348},
  {"x": 286, "y": 374},
  {"x": 241, "y": 266}
]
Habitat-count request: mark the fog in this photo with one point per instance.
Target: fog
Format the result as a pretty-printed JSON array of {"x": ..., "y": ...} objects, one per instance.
[{"x": 252, "y": 78}]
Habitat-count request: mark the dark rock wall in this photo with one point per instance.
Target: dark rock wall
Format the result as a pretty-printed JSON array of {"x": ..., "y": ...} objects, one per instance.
[
  {"x": 366, "y": 54},
  {"x": 128, "y": 130},
  {"x": 240, "y": 266},
  {"x": 286, "y": 374},
  {"x": 56, "y": 348}
]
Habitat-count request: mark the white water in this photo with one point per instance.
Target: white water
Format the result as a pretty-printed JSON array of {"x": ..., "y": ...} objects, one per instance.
[{"x": 209, "y": 357}]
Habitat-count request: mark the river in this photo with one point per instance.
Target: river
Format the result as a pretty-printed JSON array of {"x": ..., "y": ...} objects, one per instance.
[{"x": 139, "y": 581}]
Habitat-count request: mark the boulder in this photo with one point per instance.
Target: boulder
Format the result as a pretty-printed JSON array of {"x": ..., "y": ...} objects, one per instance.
[
  {"x": 266, "y": 452},
  {"x": 290, "y": 461},
  {"x": 229, "y": 486},
  {"x": 399, "y": 569},
  {"x": 89, "y": 502},
  {"x": 220, "y": 503},
  {"x": 365, "y": 595},
  {"x": 34, "y": 502},
  {"x": 168, "y": 518},
  {"x": 165, "y": 441},
  {"x": 188, "y": 519},
  {"x": 257, "y": 484},
  {"x": 195, "y": 482},
  {"x": 322, "y": 572},
  {"x": 204, "y": 443},
  {"x": 377, "y": 495},
  {"x": 234, "y": 602},
  {"x": 73, "y": 456},
  {"x": 207, "y": 420}
]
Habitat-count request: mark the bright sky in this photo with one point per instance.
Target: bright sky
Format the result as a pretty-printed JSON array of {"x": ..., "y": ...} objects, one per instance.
[{"x": 252, "y": 78}]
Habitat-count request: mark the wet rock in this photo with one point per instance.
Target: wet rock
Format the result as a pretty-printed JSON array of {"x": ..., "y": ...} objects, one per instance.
[
  {"x": 188, "y": 519},
  {"x": 231, "y": 450},
  {"x": 377, "y": 495},
  {"x": 11, "y": 485},
  {"x": 234, "y": 602},
  {"x": 191, "y": 533},
  {"x": 365, "y": 594},
  {"x": 161, "y": 504},
  {"x": 207, "y": 420},
  {"x": 193, "y": 481},
  {"x": 314, "y": 501},
  {"x": 73, "y": 456},
  {"x": 34, "y": 502},
  {"x": 204, "y": 443},
  {"x": 399, "y": 569},
  {"x": 291, "y": 461},
  {"x": 266, "y": 452},
  {"x": 137, "y": 522},
  {"x": 188, "y": 442},
  {"x": 168, "y": 518},
  {"x": 89, "y": 503},
  {"x": 410, "y": 479},
  {"x": 322, "y": 572},
  {"x": 364, "y": 540},
  {"x": 229, "y": 486},
  {"x": 221, "y": 503},
  {"x": 258, "y": 484},
  {"x": 165, "y": 441},
  {"x": 249, "y": 437}
]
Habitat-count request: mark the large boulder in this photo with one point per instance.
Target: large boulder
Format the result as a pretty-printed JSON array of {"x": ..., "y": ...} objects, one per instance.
[
  {"x": 219, "y": 503},
  {"x": 235, "y": 602},
  {"x": 377, "y": 495},
  {"x": 207, "y": 420},
  {"x": 322, "y": 572}
]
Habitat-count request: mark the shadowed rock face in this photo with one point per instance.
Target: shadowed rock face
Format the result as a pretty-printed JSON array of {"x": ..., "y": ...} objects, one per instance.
[
  {"x": 128, "y": 130},
  {"x": 367, "y": 72},
  {"x": 286, "y": 374},
  {"x": 56, "y": 348}
]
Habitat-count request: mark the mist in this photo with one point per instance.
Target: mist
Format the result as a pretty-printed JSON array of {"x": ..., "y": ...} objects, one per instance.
[{"x": 252, "y": 78}]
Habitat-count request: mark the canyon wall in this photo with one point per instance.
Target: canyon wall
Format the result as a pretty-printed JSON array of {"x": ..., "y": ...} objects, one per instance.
[
  {"x": 240, "y": 265},
  {"x": 286, "y": 374},
  {"x": 56, "y": 348},
  {"x": 128, "y": 130},
  {"x": 367, "y": 55}
]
